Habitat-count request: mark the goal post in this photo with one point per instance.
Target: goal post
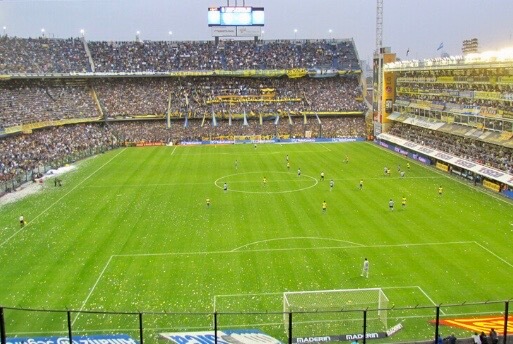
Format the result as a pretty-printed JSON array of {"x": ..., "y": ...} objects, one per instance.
[{"x": 315, "y": 312}]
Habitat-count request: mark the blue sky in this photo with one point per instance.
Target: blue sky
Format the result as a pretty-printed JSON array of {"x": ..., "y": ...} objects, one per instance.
[{"x": 419, "y": 26}]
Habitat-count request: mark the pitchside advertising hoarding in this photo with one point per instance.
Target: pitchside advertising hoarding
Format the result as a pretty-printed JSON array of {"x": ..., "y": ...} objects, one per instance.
[
  {"x": 103, "y": 339},
  {"x": 348, "y": 337},
  {"x": 223, "y": 337},
  {"x": 251, "y": 336},
  {"x": 474, "y": 167}
]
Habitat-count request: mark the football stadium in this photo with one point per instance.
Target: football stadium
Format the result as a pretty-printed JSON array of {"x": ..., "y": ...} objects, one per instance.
[{"x": 253, "y": 191}]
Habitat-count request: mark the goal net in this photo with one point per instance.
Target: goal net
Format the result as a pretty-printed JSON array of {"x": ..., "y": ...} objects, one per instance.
[{"x": 328, "y": 312}]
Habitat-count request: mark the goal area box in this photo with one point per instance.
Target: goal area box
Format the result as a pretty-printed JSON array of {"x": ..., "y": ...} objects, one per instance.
[{"x": 328, "y": 312}]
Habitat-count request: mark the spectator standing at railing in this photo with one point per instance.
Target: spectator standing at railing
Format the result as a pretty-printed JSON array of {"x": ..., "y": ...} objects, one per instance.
[
  {"x": 451, "y": 339},
  {"x": 494, "y": 338},
  {"x": 476, "y": 338},
  {"x": 483, "y": 338}
]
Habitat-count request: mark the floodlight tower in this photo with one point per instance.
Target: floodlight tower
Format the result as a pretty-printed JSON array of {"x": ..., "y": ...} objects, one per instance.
[
  {"x": 379, "y": 25},
  {"x": 379, "y": 56},
  {"x": 383, "y": 82}
]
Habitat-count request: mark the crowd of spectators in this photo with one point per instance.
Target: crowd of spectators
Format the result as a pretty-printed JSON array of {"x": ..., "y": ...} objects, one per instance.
[
  {"x": 134, "y": 96},
  {"x": 487, "y": 154},
  {"x": 51, "y": 55},
  {"x": 25, "y": 153},
  {"x": 42, "y": 55},
  {"x": 159, "y": 56},
  {"x": 203, "y": 96},
  {"x": 285, "y": 127},
  {"x": 29, "y": 101}
]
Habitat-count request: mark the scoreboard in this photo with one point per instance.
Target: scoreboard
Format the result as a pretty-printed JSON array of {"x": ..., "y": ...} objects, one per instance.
[{"x": 236, "y": 16}]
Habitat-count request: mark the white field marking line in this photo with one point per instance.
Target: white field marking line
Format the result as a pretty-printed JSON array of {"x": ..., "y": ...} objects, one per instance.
[
  {"x": 326, "y": 148},
  {"x": 263, "y": 152},
  {"x": 448, "y": 176},
  {"x": 173, "y": 152},
  {"x": 57, "y": 201},
  {"x": 281, "y": 293},
  {"x": 430, "y": 299},
  {"x": 92, "y": 290},
  {"x": 114, "y": 330},
  {"x": 245, "y": 182},
  {"x": 144, "y": 185},
  {"x": 249, "y": 294},
  {"x": 294, "y": 238},
  {"x": 289, "y": 249},
  {"x": 420, "y": 244},
  {"x": 494, "y": 254},
  {"x": 272, "y": 181},
  {"x": 383, "y": 178},
  {"x": 267, "y": 191}
]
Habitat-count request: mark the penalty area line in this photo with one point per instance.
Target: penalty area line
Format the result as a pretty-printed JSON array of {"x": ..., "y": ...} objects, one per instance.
[
  {"x": 494, "y": 254},
  {"x": 430, "y": 299},
  {"x": 92, "y": 289}
]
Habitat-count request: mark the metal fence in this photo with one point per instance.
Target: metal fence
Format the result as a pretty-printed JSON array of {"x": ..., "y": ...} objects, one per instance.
[{"x": 415, "y": 324}]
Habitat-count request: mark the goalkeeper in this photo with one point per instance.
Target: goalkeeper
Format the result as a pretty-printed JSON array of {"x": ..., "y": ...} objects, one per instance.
[{"x": 365, "y": 269}]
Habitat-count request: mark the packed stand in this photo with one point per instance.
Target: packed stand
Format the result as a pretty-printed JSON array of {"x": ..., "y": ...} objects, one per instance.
[
  {"x": 50, "y": 55},
  {"x": 128, "y": 97},
  {"x": 42, "y": 55},
  {"x": 154, "y": 56},
  {"x": 28, "y": 101},
  {"x": 162, "y": 56},
  {"x": 487, "y": 154},
  {"x": 22, "y": 154},
  {"x": 201, "y": 96}
]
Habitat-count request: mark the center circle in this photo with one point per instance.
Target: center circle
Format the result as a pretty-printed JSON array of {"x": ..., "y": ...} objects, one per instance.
[{"x": 266, "y": 182}]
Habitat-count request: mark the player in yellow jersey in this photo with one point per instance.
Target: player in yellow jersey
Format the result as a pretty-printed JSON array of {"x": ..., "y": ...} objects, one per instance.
[
  {"x": 264, "y": 182},
  {"x": 440, "y": 190},
  {"x": 208, "y": 202},
  {"x": 403, "y": 202},
  {"x": 324, "y": 206}
]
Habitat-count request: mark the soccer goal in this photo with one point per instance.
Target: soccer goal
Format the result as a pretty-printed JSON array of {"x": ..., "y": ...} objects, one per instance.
[{"x": 322, "y": 312}]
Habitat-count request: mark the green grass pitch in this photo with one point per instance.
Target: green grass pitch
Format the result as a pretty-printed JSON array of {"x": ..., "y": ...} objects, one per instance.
[{"x": 130, "y": 230}]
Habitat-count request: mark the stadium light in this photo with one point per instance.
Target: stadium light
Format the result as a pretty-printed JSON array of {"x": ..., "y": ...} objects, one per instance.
[
  {"x": 82, "y": 32},
  {"x": 5, "y": 30},
  {"x": 170, "y": 35},
  {"x": 137, "y": 36},
  {"x": 43, "y": 32},
  {"x": 330, "y": 31},
  {"x": 295, "y": 34}
]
